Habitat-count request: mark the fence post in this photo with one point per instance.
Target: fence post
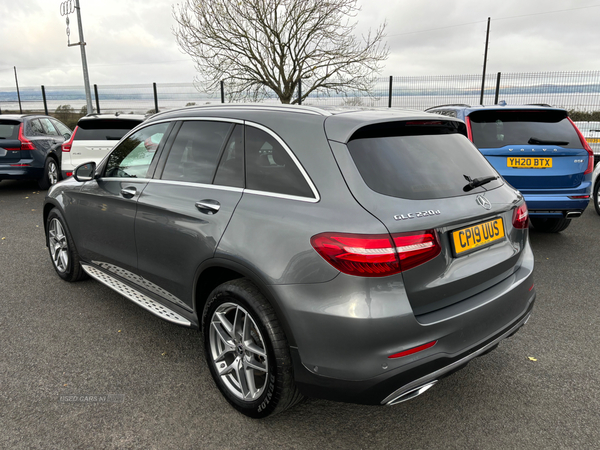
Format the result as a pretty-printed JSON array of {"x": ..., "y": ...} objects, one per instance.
[
  {"x": 300, "y": 91},
  {"x": 44, "y": 98},
  {"x": 97, "y": 99},
  {"x": 390, "y": 94},
  {"x": 18, "y": 93},
  {"x": 222, "y": 91},
  {"x": 497, "y": 89},
  {"x": 155, "y": 97}
]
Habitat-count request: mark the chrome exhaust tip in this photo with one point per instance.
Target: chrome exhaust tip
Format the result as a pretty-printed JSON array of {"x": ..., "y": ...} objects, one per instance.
[
  {"x": 409, "y": 395},
  {"x": 573, "y": 214}
]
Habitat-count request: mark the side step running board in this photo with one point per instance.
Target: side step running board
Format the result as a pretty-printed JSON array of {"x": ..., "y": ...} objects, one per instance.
[{"x": 136, "y": 296}]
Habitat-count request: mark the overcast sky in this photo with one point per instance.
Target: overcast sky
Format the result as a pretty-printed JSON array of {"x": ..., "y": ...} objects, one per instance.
[{"x": 131, "y": 42}]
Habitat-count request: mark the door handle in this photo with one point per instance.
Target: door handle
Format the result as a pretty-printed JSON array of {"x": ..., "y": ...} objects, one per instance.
[
  {"x": 208, "y": 206},
  {"x": 128, "y": 192}
]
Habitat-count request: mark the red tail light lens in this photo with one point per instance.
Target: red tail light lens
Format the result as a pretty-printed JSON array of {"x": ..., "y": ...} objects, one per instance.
[
  {"x": 66, "y": 147},
  {"x": 590, "y": 166},
  {"x": 469, "y": 132},
  {"x": 368, "y": 255},
  {"x": 415, "y": 249},
  {"x": 26, "y": 144},
  {"x": 521, "y": 217}
]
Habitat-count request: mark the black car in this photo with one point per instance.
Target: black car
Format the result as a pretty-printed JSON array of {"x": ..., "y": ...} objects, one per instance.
[{"x": 30, "y": 148}]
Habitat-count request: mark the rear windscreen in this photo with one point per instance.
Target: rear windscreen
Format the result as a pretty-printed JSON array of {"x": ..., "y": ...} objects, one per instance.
[
  {"x": 103, "y": 130},
  {"x": 418, "y": 162},
  {"x": 495, "y": 129},
  {"x": 9, "y": 129}
]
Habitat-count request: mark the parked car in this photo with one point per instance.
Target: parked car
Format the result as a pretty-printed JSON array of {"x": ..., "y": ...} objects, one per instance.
[
  {"x": 591, "y": 133},
  {"x": 30, "y": 148},
  {"x": 596, "y": 189},
  {"x": 539, "y": 151},
  {"x": 94, "y": 136},
  {"x": 358, "y": 256}
]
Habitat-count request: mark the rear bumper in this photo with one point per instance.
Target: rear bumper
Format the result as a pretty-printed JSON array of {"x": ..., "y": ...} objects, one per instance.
[
  {"x": 11, "y": 172},
  {"x": 344, "y": 337},
  {"x": 394, "y": 388},
  {"x": 557, "y": 202}
]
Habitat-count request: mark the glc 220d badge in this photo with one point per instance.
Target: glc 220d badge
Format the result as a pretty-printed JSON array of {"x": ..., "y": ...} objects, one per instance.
[{"x": 417, "y": 215}]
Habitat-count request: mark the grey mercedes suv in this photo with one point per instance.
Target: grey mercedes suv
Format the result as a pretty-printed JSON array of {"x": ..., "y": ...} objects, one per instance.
[{"x": 357, "y": 256}]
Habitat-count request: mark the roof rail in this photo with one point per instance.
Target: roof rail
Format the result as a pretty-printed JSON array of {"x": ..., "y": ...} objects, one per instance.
[
  {"x": 450, "y": 104},
  {"x": 539, "y": 104}
]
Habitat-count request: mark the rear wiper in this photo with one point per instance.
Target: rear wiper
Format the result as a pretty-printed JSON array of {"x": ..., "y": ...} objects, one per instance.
[
  {"x": 534, "y": 140},
  {"x": 476, "y": 182}
]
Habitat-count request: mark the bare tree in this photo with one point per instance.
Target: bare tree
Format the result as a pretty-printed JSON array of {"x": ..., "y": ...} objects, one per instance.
[{"x": 258, "y": 46}]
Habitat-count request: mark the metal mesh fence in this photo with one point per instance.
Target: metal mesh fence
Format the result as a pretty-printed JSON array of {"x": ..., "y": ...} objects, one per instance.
[{"x": 579, "y": 91}]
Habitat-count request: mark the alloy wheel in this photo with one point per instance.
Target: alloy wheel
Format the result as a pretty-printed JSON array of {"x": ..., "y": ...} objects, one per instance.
[
  {"x": 52, "y": 172},
  {"x": 238, "y": 352},
  {"x": 59, "y": 249}
]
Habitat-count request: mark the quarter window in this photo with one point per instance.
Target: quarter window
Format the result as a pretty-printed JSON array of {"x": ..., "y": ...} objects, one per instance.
[
  {"x": 270, "y": 168},
  {"x": 35, "y": 128},
  {"x": 133, "y": 157},
  {"x": 195, "y": 152}
]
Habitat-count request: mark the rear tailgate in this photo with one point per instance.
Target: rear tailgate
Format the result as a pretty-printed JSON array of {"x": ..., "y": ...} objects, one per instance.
[
  {"x": 10, "y": 146},
  {"x": 538, "y": 149},
  {"x": 415, "y": 182}
]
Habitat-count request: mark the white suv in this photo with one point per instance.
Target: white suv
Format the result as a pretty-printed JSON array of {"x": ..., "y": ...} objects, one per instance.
[{"x": 94, "y": 136}]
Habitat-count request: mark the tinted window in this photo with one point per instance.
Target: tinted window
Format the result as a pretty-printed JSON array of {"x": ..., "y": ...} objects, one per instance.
[
  {"x": 418, "y": 161},
  {"x": 195, "y": 152},
  {"x": 61, "y": 128},
  {"x": 270, "y": 168},
  {"x": 104, "y": 129},
  {"x": 231, "y": 167},
  {"x": 9, "y": 129},
  {"x": 133, "y": 156},
  {"x": 35, "y": 128},
  {"x": 494, "y": 129}
]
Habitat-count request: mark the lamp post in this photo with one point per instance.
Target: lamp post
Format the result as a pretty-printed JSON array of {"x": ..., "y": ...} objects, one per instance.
[{"x": 66, "y": 8}]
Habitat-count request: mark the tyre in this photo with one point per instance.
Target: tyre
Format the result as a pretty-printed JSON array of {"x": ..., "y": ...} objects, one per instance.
[
  {"x": 597, "y": 197},
  {"x": 550, "y": 225},
  {"x": 51, "y": 174},
  {"x": 62, "y": 250},
  {"x": 246, "y": 350}
]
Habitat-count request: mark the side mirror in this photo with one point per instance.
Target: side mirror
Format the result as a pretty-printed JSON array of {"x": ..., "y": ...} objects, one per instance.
[
  {"x": 85, "y": 172},
  {"x": 67, "y": 136}
]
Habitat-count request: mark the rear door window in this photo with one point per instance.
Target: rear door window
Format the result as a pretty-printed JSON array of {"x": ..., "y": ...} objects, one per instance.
[
  {"x": 231, "y": 166},
  {"x": 63, "y": 130},
  {"x": 195, "y": 153},
  {"x": 270, "y": 168},
  {"x": 418, "y": 160},
  {"x": 104, "y": 129},
  {"x": 495, "y": 129}
]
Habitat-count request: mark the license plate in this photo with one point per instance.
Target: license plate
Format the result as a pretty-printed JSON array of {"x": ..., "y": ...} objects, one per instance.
[
  {"x": 593, "y": 140},
  {"x": 477, "y": 236},
  {"x": 529, "y": 163}
]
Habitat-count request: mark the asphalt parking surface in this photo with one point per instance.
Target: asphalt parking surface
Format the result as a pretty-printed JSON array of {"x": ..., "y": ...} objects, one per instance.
[{"x": 60, "y": 339}]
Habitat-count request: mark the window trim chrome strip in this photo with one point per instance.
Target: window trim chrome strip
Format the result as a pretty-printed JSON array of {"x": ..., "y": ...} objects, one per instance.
[{"x": 198, "y": 185}]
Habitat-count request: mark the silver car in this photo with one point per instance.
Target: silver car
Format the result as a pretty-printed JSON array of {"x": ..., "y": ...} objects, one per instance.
[{"x": 358, "y": 256}]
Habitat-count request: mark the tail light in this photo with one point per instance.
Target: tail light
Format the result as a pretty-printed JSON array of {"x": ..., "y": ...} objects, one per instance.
[
  {"x": 521, "y": 217},
  {"x": 590, "y": 166},
  {"x": 469, "y": 132},
  {"x": 26, "y": 144},
  {"x": 377, "y": 255},
  {"x": 66, "y": 147}
]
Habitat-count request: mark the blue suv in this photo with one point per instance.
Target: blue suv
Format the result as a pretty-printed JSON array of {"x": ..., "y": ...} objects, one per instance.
[{"x": 539, "y": 151}]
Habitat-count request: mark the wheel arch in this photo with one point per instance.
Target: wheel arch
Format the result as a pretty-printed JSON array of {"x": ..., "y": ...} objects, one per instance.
[{"x": 217, "y": 271}]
